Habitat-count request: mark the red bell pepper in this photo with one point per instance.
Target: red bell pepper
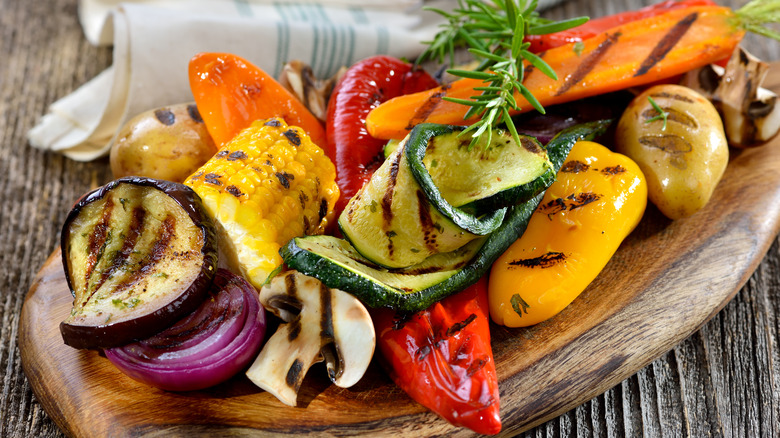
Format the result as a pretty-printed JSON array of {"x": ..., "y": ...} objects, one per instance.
[
  {"x": 540, "y": 43},
  {"x": 442, "y": 358},
  {"x": 363, "y": 87}
]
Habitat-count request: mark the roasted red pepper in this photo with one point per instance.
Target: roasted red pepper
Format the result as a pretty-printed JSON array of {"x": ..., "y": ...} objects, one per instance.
[
  {"x": 442, "y": 358},
  {"x": 362, "y": 88},
  {"x": 540, "y": 43}
]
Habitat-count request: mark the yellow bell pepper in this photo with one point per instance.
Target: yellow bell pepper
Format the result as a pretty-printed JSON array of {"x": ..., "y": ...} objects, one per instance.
[{"x": 598, "y": 198}]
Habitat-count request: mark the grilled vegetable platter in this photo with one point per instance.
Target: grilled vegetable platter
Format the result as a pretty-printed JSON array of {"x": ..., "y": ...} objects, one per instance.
[{"x": 398, "y": 252}]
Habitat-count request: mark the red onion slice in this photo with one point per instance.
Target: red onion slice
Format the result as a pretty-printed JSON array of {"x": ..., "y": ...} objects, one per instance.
[{"x": 205, "y": 348}]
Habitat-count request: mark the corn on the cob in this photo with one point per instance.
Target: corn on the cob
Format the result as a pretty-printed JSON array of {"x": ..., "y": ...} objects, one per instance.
[{"x": 269, "y": 184}]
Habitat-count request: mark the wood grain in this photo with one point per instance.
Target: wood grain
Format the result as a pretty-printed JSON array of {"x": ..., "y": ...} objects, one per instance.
[{"x": 665, "y": 282}]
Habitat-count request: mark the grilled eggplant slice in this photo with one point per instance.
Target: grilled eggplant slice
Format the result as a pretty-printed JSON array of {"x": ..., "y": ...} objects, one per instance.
[{"x": 138, "y": 254}]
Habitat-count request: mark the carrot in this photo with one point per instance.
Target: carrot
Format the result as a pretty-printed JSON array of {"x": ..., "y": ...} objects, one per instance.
[
  {"x": 636, "y": 53},
  {"x": 231, "y": 93},
  {"x": 595, "y": 26}
]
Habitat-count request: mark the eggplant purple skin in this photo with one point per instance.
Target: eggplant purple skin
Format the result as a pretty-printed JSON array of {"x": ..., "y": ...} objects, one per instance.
[{"x": 114, "y": 335}]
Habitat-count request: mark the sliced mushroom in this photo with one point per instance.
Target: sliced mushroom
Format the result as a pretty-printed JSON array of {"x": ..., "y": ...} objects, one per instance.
[
  {"x": 319, "y": 323},
  {"x": 751, "y": 115},
  {"x": 299, "y": 79}
]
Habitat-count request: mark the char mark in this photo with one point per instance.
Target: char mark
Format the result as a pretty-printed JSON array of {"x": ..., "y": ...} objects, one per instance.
[
  {"x": 161, "y": 247},
  {"x": 98, "y": 240},
  {"x": 667, "y": 43},
  {"x": 422, "y": 113},
  {"x": 547, "y": 260},
  {"x": 589, "y": 63},
  {"x": 128, "y": 245},
  {"x": 165, "y": 116},
  {"x": 387, "y": 199}
]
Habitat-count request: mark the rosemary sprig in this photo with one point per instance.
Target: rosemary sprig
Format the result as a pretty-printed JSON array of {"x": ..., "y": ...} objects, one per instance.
[
  {"x": 754, "y": 17},
  {"x": 494, "y": 32},
  {"x": 661, "y": 113}
]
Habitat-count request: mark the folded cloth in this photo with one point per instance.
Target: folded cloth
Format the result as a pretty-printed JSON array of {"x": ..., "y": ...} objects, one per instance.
[{"x": 154, "y": 39}]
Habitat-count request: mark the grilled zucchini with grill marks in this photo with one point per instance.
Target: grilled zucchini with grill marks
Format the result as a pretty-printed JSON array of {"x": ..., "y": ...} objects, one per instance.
[
  {"x": 434, "y": 194},
  {"x": 138, "y": 255}
]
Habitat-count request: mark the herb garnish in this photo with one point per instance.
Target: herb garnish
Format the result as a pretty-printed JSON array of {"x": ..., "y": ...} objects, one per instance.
[
  {"x": 494, "y": 32},
  {"x": 661, "y": 113}
]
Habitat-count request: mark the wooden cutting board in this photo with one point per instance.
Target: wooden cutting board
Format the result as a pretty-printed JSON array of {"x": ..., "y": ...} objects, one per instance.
[{"x": 667, "y": 279}]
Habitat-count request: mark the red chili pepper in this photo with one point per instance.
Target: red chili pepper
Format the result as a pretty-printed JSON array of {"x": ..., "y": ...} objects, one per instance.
[
  {"x": 540, "y": 43},
  {"x": 362, "y": 88},
  {"x": 442, "y": 358}
]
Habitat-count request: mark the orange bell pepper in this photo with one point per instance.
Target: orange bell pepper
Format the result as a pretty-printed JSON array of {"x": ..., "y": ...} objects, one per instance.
[
  {"x": 231, "y": 93},
  {"x": 597, "y": 200}
]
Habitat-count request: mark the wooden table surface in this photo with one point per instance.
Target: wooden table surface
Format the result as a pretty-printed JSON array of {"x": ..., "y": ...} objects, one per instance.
[{"x": 722, "y": 381}]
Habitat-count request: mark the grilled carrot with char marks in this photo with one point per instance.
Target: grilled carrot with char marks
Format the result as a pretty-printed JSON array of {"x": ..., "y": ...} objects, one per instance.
[{"x": 636, "y": 53}]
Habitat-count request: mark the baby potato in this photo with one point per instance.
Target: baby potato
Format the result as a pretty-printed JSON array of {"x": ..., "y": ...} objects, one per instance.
[
  {"x": 168, "y": 143},
  {"x": 683, "y": 160}
]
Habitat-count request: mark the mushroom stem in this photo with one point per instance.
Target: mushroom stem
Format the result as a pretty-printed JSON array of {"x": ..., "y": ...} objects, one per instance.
[{"x": 299, "y": 79}]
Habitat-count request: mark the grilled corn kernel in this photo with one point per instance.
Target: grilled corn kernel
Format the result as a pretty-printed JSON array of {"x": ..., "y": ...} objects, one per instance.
[{"x": 264, "y": 187}]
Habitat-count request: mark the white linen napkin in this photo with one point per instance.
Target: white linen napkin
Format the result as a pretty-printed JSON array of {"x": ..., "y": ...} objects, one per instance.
[{"x": 154, "y": 39}]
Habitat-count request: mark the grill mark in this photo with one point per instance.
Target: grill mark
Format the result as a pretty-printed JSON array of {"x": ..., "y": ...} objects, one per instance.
[
  {"x": 476, "y": 365},
  {"x": 390, "y": 245},
  {"x": 96, "y": 244},
  {"x": 165, "y": 116},
  {"x": 588, "y": 63},
  {"x": 582, "y": 199},
  {"x": 426, "y": 222},
  {"x": 327, "y": 336},
  {"x": 192, "y": 111},
  {"x": 326, "y": 314},
  {"x": 213, "y": 178},
  {"x": 292, "y": 137},
  {"x": 530, "y": 145},
  {"x": 458, "y": 326},
  {"x": 323, "y": 209},
  {"x": 235, "y": 191},
  {"x": 161, "y": 245},
  {"x": 294, "y": 376},
  {"x": 422, "y": 352},
  {"x": 120, "y": 259},
  {"x": 547, "y": 260},
  {"x": 424, "y": 111},
  {"x": 667, "y": 43},
  {"x": 292, "y": 292},
  {"x": 575, "y": 166},
  {"x": 571, "y": 202},
  {"x": 674, "y": 96},
  {"x": 374, "y": 163},
  {"x": 613, "y": 170},
  {"x": 284, "y": 178},
  {"x": 237, "y": 155},
  {"x": 387, "y": 199}
]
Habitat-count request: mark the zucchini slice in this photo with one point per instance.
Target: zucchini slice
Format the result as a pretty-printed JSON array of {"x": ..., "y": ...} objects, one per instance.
[
  {"x": 339, "y": 265},
  {"x": 458, "y": 178},
  {"x": 410, "y": 209}
]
